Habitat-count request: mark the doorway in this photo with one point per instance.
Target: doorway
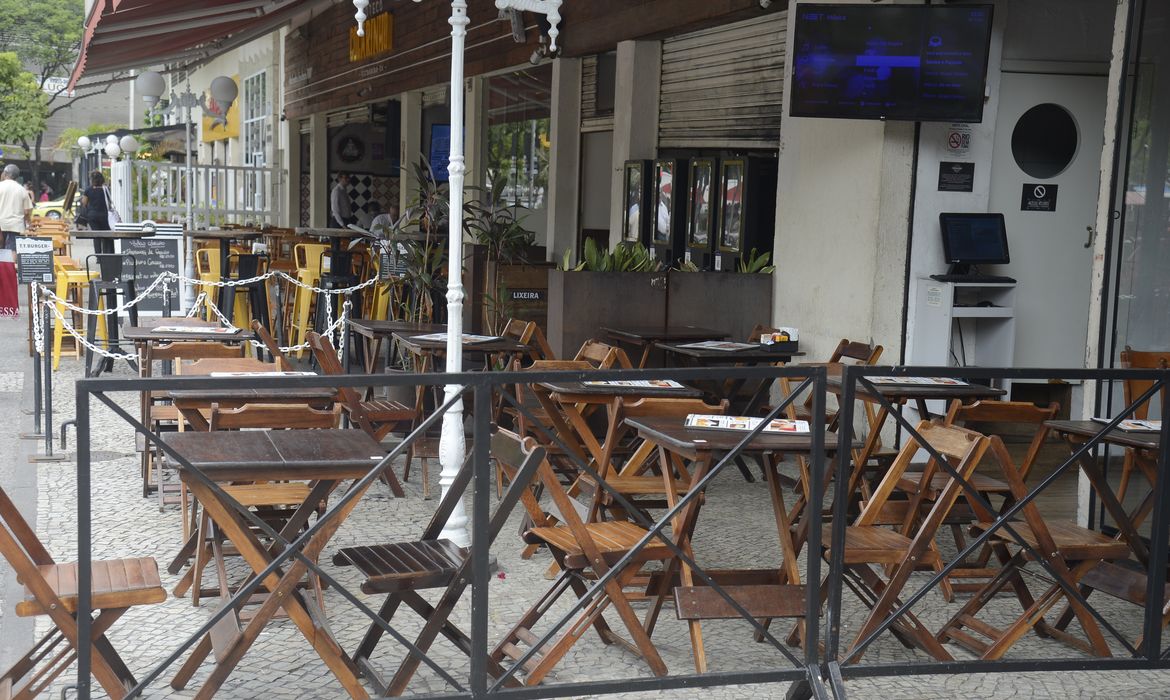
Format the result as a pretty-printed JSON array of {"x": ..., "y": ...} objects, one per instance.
[{"x": 1044, "y": 178}]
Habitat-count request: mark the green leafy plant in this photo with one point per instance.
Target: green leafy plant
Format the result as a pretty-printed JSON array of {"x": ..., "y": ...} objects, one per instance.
[
  {"x": 756, "y": 262},
  {"x": 626, "y": 257},
  {"x": 492, "y": 224},
  {"x": 685, "y": 265}
]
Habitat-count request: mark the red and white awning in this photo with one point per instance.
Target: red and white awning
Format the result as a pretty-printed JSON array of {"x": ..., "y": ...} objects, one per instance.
[{"x": 125, "y": 34}]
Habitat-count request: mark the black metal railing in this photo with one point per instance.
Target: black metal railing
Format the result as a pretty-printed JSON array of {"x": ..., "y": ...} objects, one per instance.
[{"x": 817, "y": 670}]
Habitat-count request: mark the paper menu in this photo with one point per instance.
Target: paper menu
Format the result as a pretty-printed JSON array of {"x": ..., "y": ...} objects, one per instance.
[{"x": 746, "y": 424}]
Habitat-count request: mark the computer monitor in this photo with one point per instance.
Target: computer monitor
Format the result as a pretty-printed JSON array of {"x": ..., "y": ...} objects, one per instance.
[{"x": 973, "y": 239}]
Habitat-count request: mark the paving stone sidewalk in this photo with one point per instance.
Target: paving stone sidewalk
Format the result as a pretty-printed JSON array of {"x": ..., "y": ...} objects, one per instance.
[{"x": 736, "y": 530}]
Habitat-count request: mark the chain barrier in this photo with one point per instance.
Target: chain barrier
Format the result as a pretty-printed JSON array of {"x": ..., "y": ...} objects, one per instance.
[{"x": 43, "y": 295}]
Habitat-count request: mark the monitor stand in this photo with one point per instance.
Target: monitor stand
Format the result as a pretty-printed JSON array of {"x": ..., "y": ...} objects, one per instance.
[{"x": 963, "y": 269}]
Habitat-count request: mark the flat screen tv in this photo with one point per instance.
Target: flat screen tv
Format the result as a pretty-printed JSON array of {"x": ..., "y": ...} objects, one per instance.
[{"x": 898, "y": 62}]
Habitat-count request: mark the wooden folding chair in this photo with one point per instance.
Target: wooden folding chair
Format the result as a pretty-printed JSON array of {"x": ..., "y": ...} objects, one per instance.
[
  {"x": 274, "y": 500},
  {"x": 869, "y": 546},
  {"x": 982, "y": 416},
  {"x": 1070, "y": 552},
  {"x": 585, "y": 552},
  {"x": 642, "y": 490},
  {"x": 400, "y": 570},
  {"x": 118, "y": 585},
  {"x": 1131, "y": 389},
  {"x": 528, "y": 333},
  {"x": 377, "y": 417}
]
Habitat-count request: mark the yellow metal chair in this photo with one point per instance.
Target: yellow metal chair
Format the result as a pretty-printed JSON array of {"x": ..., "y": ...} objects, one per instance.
[
  {"x": 72, "y": 285},
  {"x": 308, "y": 272}
]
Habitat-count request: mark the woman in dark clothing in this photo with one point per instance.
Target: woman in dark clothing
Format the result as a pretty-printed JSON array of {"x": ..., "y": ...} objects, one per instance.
[{"x": 95, "y": 203}]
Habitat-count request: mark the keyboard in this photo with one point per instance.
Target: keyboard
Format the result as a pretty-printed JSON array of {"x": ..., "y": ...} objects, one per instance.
[{"x": 974, "y": 279}]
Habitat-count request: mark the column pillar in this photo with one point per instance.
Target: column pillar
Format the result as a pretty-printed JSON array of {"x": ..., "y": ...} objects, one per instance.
[
  {"x": 319, "y": 182},
  {"x": 564, "y": 164},
  {"x": 635, "y": 116},
  {"x": 475, "y": 118}
]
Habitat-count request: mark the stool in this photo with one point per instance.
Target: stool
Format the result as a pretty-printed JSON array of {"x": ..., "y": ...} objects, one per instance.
[
  {"x": 308, "y": 260},
  {"x": 71, "y": 286},
  {"x": 254, "y": 304},
  {"x": 109, "y": 282},
  {"x": 340, "y": 276}
]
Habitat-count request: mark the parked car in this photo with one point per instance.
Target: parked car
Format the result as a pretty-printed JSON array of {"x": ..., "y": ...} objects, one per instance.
[{"x": 53, "y": 209}]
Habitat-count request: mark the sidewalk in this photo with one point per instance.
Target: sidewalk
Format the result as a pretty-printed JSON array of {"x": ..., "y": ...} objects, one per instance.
[{"x": 283, "y": 666}]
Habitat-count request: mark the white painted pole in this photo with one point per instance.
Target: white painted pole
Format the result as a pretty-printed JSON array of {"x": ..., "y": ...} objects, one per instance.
[
  {"x": 452, "y": 443},
  {"x": 188, "y": 297}
]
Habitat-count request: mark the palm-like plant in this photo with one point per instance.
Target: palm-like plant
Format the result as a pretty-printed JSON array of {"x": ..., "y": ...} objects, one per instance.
[{"x": 493, "y": 225}]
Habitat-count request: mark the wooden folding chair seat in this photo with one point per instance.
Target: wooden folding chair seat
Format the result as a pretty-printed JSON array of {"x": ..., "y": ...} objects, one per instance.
[
  {"x": 377, "y": 417},
  {"x": 870, "y": 547},
  {"x": 585, "y": 552},
  {"x": 400, "y": 570},
  {"x": 1070, "y": 553},
  {"x": 51, "y": 590}
]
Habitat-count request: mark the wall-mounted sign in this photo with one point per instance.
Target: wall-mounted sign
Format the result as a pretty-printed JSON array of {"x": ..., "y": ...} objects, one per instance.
[
  {"x": 350, "y": 149},
  {"x": 528, "y": 294},
  {"x": 1038, "y": 197},
  {"x": 958, "y": 139},
  {"x": 955, "y": 176},
  {"x": 219, "y": 124},
  {"x": 379, "y": 38}
]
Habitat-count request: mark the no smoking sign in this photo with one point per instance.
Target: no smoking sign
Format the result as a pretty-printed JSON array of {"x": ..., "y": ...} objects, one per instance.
[{"x": 958, "y": 139}]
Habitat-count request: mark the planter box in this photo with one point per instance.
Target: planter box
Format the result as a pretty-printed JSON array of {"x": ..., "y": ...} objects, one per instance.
[{"x": 580, "y": 303}]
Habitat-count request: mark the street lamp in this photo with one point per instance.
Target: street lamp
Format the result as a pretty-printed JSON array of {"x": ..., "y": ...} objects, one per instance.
[
  {"x": 452, "y": 441},
  {"x": 151, "y": 86}
]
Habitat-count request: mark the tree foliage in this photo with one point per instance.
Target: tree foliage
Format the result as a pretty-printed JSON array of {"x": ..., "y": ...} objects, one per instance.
[
  {"x": 45, "y": 34},
  {"x": 23, "y": 109}
]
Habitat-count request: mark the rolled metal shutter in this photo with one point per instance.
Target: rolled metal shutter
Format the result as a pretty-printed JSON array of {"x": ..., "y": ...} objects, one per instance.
[
  {"x": 723, "y": 87},
  {"x": 592, "y": 118}
]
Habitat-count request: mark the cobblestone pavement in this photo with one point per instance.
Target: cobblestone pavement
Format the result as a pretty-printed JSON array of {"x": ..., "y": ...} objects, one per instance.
[{"x": 736, "y": 530}]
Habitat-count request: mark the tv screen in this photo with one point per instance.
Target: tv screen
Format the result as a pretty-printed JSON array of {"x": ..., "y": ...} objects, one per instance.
[
  {"x": 974, "y": 239},
  {"x": 903, "y": 62}
]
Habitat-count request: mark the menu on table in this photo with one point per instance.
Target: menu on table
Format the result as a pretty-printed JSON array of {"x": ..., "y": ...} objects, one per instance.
[
  {"x": 263, "y": 374},
  {"x": 638, "y": 383},
  {"x": 745, "y": 424},
  {"x": 918, "y": 381},
  {"x": 467, "y": 338},
  {"x": 724, "y": 345},
  {"x": 196, "y": 330},
  {"x": 1133, "y": 425}
]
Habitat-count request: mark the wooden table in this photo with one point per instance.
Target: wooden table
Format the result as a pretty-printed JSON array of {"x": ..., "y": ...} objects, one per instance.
[
  {"x": 375, "y": 332},
  {"x": 899, "y": 394},
  {"x": 647, "y": 337},
  {"x": 324, "y": 457},
  {"x": 719, "y": 390},
  {"x": 335, "y": 235},
  {"x": 764, "y": 593},
  {"x": 428, "y": 350}
]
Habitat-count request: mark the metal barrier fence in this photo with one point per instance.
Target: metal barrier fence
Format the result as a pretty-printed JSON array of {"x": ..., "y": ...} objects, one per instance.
[{"x": 815, "y": 669}]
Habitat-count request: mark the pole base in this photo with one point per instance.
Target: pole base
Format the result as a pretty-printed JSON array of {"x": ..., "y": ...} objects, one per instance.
[{"x": 35, "y": 459}]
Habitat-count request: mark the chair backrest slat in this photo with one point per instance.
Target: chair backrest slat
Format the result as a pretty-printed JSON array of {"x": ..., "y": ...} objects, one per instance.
[
  {"x": 13, "y": 522},
  {"x": 1133, "y": 388},
  {"x": 274, "y": 417},
  {"x": 982, "y": 413}
]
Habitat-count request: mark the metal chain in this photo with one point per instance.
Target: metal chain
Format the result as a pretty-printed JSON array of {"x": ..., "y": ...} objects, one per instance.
[
  {"x": 37, "y": 320},
  {"x": 68, "y": 328}
]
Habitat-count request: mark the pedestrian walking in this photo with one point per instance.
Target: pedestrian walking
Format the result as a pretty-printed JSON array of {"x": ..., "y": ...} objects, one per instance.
[
  {"x": 15, "y": 208},
  {"x": 340, "y": 208}
]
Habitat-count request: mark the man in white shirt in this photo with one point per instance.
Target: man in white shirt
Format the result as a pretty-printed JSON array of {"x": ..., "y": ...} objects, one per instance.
[
  {"x": 340, "y": 209},
  {"x": 383, "y": 220},
  {"x": 15, "y": 206}
]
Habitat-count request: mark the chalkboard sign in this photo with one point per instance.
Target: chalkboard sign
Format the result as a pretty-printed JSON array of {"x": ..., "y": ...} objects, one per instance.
[{"x": 153, "y": 257}]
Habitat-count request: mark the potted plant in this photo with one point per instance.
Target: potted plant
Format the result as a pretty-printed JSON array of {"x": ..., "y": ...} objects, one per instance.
[{"x": 496, "y": 227}]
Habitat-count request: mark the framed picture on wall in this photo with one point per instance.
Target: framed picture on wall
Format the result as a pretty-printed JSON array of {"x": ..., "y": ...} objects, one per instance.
[
  {"x": 634, "y": 181},
  {"x": 663, "y": 202},
  {"x": 732, "y": 179},
  {"x": 700, "y": 209}
]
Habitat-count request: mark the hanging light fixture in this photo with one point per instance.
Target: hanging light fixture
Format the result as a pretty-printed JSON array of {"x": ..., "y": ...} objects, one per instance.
[
  {"x": 150, "y": 86},
  {"x": 551, "y": 9},
  {"x": 360, "y": 15}
]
